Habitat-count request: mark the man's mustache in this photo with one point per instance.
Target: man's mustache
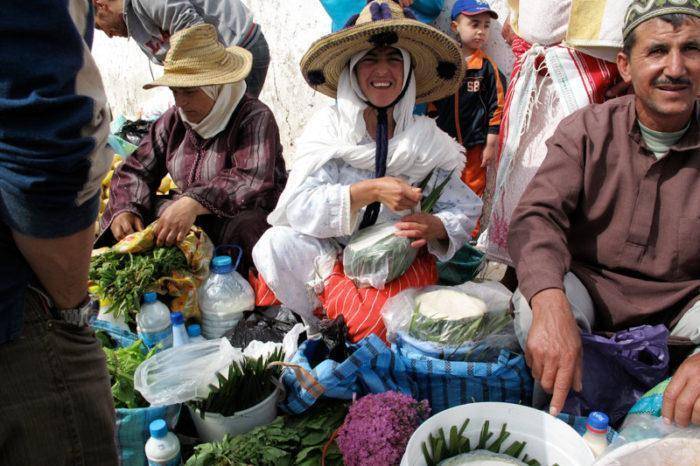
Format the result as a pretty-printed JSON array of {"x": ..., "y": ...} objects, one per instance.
[{"x": 672, "y": 82}]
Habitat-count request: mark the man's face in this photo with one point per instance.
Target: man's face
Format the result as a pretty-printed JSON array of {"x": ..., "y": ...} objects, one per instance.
[
  {"x": 380, "y": 75},
  {"x": 664, "y": 69},
  {"x": 109, "y": 17}
]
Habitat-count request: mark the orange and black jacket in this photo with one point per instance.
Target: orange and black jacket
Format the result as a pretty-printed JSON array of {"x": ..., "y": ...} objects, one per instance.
[{"x": 477, "y": 107}]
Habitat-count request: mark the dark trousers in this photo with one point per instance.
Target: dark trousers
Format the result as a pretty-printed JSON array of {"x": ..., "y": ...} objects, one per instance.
[
  {"x": 261, "y": 63},
  {"x": 244, "y": 229},
  {"x": 56, "y": 404}
]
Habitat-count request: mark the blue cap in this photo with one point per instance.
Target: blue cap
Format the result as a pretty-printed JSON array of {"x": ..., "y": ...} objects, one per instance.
[
  {"x": 194, "y": 330},
  {"x": 598, "y": 421},
  {"x": 222, "y": 264},
  {"x": 177, "y": 318},
  {"x": 158, "y": 428},
  {"x": 150, "y": 297},
  {"x": 471, "y": 8}
]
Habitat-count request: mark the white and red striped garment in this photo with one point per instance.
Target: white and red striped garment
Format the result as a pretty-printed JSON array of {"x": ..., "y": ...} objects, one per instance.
[{"x": 547, "y": 84}]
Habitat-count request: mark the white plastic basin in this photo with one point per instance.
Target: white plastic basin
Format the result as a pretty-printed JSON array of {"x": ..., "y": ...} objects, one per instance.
[{"x": 549, "y": 440}]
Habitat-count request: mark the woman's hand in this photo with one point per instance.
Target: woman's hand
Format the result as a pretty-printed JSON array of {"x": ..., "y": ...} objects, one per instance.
[
  {"x": 421, "y": 228},
  {"x": 175, "y": 222},
  {"x": 394, "y": 193},
  {"x": 125, "y": 224}
]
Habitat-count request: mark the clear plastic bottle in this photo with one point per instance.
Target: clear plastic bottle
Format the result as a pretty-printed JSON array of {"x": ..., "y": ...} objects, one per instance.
[
  {"x": 163, "y": 448},
  {"x": 154, "y": 322},
  {"x": 596, "y": 435},
  {"x": 194, "y": 331},
  {"x": 223, "y": 297},
  {"x": 180, "y": 337}
]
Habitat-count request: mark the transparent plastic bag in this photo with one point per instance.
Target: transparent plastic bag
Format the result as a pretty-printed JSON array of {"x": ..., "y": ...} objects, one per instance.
[
  {"x": 180, "y": 374},
  {"x": 375, "y": 256},
  {"x": 646, "y": 440},
  {"x": 474, "y": 338}
]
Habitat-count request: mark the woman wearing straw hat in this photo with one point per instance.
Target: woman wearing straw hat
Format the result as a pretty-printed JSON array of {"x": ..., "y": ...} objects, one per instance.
[
  {"x": 358, "y": 160},
  {"x": 220, "y": 146}
]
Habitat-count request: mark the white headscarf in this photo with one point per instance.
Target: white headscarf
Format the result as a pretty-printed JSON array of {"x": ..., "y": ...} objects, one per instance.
[
  {"x": 417, "y": 147},
  {"x": 226, "y": 98}
]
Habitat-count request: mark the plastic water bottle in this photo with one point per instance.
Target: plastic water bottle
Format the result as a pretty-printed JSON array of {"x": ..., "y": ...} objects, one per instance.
[
  {"x": 163, "y": 448},
  {"x": 223, "y": 297},
  {"x": 194, "y": 331},
  {"x": 596, "y": 435},
  {"x": 180, "y": 337},
  {"x": 154, "y": 322}
]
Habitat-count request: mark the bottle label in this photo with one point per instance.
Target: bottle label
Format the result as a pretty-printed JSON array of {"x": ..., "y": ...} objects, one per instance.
[
  {"x": 177, "y": 461},
  {"x": 151, "y": 339}
]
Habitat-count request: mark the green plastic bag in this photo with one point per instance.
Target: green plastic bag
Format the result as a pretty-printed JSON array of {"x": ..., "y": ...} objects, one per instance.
[{"x": 463, "y": 267}]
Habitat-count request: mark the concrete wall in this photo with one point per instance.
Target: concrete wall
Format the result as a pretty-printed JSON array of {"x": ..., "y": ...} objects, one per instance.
[{"x": 290, "y": 26}]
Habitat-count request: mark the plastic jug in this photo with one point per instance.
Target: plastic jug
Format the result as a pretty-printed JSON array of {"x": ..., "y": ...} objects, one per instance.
[
  {"x": 180, "y": 336},
  {"x": 154, "y": 322},
  {"x": 163, "y": 448},
  {"x": 194, "y": 331},
  {"x": 223, "y": 298}
]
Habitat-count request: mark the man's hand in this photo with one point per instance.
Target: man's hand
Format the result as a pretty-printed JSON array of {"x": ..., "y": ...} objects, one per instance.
[
  {"x": 175, "y": 222},
  {"x": 682, "y": 396},
  {"x": 421, "y": 228},
  {"x": 553, "y": 348},
  {"x": 488, "y": 156},
  {"x": 125, "y": 224},
  {"x": 507, "y": 32},
  {"x": 394, "y": 193}
]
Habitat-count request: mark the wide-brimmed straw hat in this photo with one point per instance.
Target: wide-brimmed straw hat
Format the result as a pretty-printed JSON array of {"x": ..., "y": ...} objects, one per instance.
[
  {"x": 436, "y": 58},
  {"x": 196, "y": 58}
]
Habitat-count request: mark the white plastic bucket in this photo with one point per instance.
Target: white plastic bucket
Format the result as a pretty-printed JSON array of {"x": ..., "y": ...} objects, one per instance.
[
  {"x": 214, "y": 426},
  {"x": 549, "y": 440}
]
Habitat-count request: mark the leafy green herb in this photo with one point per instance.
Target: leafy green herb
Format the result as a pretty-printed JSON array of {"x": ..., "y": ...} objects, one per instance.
[
  {"x": 291, "y": 440},
  {"x": 124, "y": 278},
  {"x": 248, "y": 383},
  {"x": 122, "y": 364}
]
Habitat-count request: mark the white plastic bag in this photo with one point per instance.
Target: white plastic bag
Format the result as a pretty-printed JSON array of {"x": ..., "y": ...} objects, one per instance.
[
  {"x": 477, "y": 338},
  {"x": 375, "y": 256},
  {"x": 496, "y": 296},
  {"x": 645, "y": 440},
  {"x": 180, "y": 374}
]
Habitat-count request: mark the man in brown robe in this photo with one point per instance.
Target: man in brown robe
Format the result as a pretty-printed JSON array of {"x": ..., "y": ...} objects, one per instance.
[{"x": 607, "y": 235}]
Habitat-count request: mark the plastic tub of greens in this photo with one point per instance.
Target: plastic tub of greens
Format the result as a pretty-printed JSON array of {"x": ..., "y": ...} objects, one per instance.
[{"x": 496, "y": 434}]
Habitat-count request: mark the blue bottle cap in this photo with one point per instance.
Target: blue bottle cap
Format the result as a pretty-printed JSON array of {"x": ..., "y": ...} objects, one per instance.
[
  {"x": 194, "y": 330},
  {"x": 598, "y": 421},
  {"x": 222, "y": 264},
  {"x": 150, "y": 297},
  {"x": 177, "y": 318},
  {"x": 158, "y": 428}
]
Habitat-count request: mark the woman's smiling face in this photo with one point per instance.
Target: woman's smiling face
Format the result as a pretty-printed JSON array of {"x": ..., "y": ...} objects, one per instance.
[{"x": 380, "y": 75}]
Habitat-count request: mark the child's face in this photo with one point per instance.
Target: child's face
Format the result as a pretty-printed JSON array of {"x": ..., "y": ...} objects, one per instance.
[{"x": 473, "y": 31}]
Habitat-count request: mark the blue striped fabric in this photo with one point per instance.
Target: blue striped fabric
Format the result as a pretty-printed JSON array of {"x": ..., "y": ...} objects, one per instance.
[
  {"x": 446, "y": 384},
  {"x": 374, "y": 368}
]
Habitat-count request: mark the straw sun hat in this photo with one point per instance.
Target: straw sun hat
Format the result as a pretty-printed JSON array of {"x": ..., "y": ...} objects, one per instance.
[
  {"x": 196, "y": 58},
  {"x": 436, "y": 58}
]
